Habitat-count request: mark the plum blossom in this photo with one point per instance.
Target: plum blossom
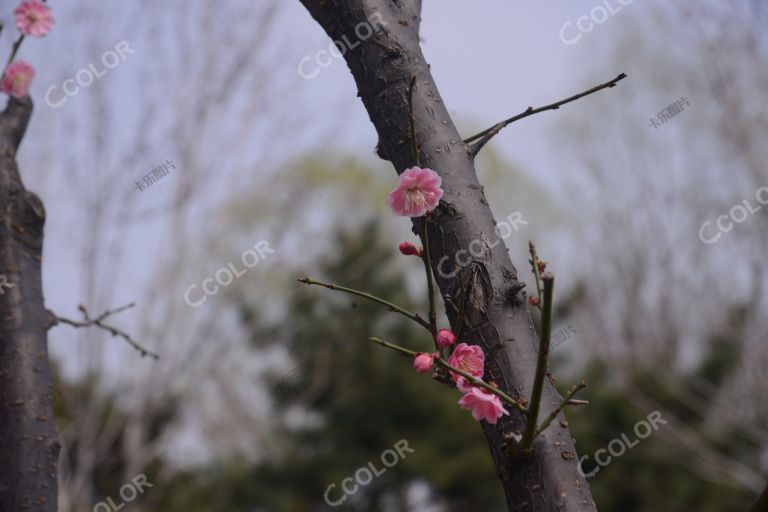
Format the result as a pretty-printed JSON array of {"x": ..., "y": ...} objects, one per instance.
[
  {"x": 17, "y": 79},
  {"x": 33, "y": 18},
  {"x": 469, "y": 358},
  {"x": 484, "y": 405},
  {"x": 417, "y": 193}
]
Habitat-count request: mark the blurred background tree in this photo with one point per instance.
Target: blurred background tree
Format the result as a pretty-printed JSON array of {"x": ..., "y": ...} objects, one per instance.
[{"x": 662, "y": 321}]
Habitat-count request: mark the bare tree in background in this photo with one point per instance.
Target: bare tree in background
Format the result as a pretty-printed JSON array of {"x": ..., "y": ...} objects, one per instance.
[
  {"x": 221, "y": 102},
  {"x": 655, "y": 293}
]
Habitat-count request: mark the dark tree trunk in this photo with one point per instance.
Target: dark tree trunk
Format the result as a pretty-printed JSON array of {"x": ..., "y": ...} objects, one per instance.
[
  {"x": 29, "y": 445},
  {"x": 498, "y": 319},
  {"x": 761, "y": 504}
]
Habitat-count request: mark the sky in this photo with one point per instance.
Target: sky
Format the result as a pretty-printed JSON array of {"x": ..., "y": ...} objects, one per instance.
[{"x": 491, "y": 59}]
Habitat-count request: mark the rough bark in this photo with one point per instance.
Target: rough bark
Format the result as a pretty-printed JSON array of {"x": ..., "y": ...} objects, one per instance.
[
  {"x": 497, "y": 317},
  {"x": 29, "y": 445}
]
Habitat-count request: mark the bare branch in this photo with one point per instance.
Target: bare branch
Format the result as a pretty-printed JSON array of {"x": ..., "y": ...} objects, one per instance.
[
  {"x": 568, "y": 400},
  {"x": 488, "y": 134},
  {"x": 99, "y": 322}
]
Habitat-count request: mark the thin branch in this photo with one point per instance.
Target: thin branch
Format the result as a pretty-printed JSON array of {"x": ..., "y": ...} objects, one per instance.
[
  {"x": 566, "y": 401},
  {"x": 392, "y": 307},
  {"x": 488, "y": 134},
  {"x": 471, "y": 378},
  {"x": 99, "y": 322},
  {"x": 430, "y": 281},
  {"x": 14, "y": 50},
  {"x": 541, "y": 365},
  {"x": 536, "y": 273}
]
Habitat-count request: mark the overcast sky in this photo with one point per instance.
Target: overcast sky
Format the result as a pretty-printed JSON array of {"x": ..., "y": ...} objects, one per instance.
[{"x": 491, "y": 59}]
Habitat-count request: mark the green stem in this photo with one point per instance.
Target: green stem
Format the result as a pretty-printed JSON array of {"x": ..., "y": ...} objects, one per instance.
[
  {"x": 535, "y": 268},
  {"x": 471, "y": 378},
  {"x": 430, "y": 282},
  {"x": 393, "y": 307},
  {"x": 14, "y": 50},
  {"x": 392, "y": 346},
  {"x": 412, "y": 122},
  {"x": 541, "y": 364},
  {"x": 553, "y": 414}
]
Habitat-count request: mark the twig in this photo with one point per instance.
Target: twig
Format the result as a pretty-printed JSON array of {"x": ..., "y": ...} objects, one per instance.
[
  {"x": 488, "y": 134},
  {"x": 14, "y": 50},
  {"x": 536, "y": 273},
  {"x": 430, "y": 281},
  {"x": 566, "y": 401},
  {"x": 541, "y": 366},
  {"x": 423, "y": 235},
  {"x": 471, "y": 378},
  {"x": 99, "y": 322},
  {"x": 392, "y": 307}
]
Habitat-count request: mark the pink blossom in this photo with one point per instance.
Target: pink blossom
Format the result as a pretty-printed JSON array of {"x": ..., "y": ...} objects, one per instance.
[
  {"x": 463, "y": 385},
  {"x": 409, "y": 249},
  {"x": 17, "y": 78},
  {"x": 423, "y": 363},
  {"x": 418, "y": 192},
  {"x": 484, "y": 405},
  {"x": 445, "y": 338},
  {"x": 469, "y": 358},
  {"x": 33, "y": 18}
]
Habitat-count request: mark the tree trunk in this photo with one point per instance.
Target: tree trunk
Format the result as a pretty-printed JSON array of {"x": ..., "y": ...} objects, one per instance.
[
  {"x": 29, "y": 445},
  {"x": 497, "y": 316}
]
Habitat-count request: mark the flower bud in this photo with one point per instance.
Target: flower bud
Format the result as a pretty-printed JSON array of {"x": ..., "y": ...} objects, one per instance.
[
  {"x": 423, "y": 363},
  {"x": 408, "y": 249},
  {"x": 445, "y": 338}
]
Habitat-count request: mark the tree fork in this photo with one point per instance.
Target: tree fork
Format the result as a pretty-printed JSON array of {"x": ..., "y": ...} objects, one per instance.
[
  {"x": 496, "y": 316},
  {"x": 29, "y": 445}
]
